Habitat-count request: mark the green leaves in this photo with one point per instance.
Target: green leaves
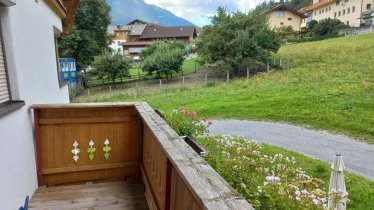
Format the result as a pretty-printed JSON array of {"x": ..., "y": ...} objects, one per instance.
[
  {"x": 112, "y": 66},
  {"x": 234, "y": 38},
  {"x": 89, "y": 34},
  {"x": 163, "y": 57}
]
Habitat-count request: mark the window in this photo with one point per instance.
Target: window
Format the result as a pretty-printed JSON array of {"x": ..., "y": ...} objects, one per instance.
[
  {"x": 348, "y": 10},
  {"x": 4, "y": 88},
  {"x": 347, "y": 23},
  {"x": 315, "y": 13},
  {"x": 334, "y": 14},
  {"x": 327, "y": 9},
  {"x": 343, "y": 11},
  {"x": 280, "y": 14},
  {"x": 337, "y": 3},
  {"x": 353, "y": 9},
  {"x": 368, "y": 6},
  {"x": 289, "y": 18},
  {"x": 330, "y": 8},
  {"x": 319, "y": 11},
  {"x": 7, "y": 104},
  {"x": 339, "y": 14},
  {"x": 282, "y": 23}
]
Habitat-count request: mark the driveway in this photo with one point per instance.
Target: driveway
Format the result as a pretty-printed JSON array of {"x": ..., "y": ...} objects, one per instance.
[{"x": 358, "y": 156}]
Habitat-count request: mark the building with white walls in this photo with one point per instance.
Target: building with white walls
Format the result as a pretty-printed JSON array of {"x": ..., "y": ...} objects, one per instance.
[
  {"x": 28, "y": 75},
  {"x": 354, "y": 13}
]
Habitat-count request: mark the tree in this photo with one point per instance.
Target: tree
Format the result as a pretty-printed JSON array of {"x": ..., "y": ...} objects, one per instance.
[
  {"x": 89, "y": 36},
  {"x": 233, "y": 38},
  {"x": 111, "y": 65},
  {"x": 163, "y": 57},
  {"x": 328, "y": 27}
]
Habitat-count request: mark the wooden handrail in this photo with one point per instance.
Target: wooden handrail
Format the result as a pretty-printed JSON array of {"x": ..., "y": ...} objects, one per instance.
[{"x": 184, "y": 172}]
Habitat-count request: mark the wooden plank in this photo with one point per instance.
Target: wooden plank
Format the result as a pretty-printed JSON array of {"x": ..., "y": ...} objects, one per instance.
[
  {"x": 149, "y": 193},
  {"x": 118, "y": 195},
  {"x": 89, "y": 168},
  {"x": 209, "y": 189},
  {"x": 86, "y": 120}
]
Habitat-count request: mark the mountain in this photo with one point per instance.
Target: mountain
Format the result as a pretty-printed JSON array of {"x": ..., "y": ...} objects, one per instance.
[{"x": 124, "y": 11}]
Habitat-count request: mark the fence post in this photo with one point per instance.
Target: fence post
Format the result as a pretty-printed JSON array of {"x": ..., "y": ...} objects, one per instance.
[
  {"x": 160, "y": 83},
  {"x": 288, "y": 62},
  {"x": 280, "y": 63},
  {"x": 228, "y": 76},
  {"x": 247, "y": 73},
  {"x": 268, "y": 67},
  {"x": 136, "y": 84},
  {"x": 89, "y": 93},
  {"x": 183, "y": 79},
  {"x": 206, "y": 78},
  {"x": 110, "y": 90}
]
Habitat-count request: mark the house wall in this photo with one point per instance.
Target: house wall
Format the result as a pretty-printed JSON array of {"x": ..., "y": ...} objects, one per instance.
[
  {"x": 347, "y": 15},
  {"x": 33, "y": 77},
  {"x": 275, "y": 22}
]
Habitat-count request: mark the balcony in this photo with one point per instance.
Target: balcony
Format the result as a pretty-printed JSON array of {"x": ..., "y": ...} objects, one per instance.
[{"x": 138, "y": 162}]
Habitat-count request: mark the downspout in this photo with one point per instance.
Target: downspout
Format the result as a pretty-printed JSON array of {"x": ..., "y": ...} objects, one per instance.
[{"x": 362, "y": 2}]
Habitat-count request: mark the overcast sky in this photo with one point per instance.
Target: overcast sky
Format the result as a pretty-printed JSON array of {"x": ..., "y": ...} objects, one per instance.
[{"x": 199, "y": 11}]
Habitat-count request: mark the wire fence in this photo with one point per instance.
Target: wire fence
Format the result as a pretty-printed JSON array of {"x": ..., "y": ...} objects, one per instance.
[{"x": 210, "y": 76}]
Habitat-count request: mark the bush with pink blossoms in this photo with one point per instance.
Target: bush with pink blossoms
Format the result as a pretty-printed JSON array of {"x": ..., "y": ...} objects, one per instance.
[
  {"x": 186, "y": 123},
  {"x": 267, "y": 182}
]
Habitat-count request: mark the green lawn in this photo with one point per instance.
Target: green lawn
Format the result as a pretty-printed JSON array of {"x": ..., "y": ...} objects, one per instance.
[
  {"x": 134, "y": 72},
  {"x": 330, "y": 86}
]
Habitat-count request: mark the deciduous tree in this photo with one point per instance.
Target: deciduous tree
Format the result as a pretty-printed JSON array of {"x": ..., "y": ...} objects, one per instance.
[
  {"x": 111, "y": 65},
  {"x": 163, "y": 57},
  {"x": 89, "y": 36},
  {"x": 232, "y": 38}
]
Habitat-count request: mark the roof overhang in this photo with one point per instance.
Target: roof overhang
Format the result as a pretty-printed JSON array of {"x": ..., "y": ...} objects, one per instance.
[
  {"x": 320, "y": 4},
  {"x": 7, "y": 3},
  {"x": 66, "y": 10},
  {"x": 284, "y": 7}
]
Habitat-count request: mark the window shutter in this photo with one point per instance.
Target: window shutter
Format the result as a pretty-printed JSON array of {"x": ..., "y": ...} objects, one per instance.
[{"x": 4, "y": 92}]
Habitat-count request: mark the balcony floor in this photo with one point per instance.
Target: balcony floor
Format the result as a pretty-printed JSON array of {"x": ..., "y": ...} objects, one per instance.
[{"x": 111, "y": 195}]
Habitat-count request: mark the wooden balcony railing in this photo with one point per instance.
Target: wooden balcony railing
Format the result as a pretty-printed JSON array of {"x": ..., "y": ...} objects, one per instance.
[{"x": 142, "y": 146}]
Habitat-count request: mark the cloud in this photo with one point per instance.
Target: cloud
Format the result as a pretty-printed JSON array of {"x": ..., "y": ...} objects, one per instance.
[{"x": 199, "y": 11}]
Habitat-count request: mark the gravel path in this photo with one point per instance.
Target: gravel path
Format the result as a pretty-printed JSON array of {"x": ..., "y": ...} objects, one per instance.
[{"x": 358, "y": 156}]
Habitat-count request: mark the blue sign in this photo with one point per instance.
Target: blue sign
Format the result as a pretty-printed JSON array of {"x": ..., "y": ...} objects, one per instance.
[{"x": 68, "y": 69}]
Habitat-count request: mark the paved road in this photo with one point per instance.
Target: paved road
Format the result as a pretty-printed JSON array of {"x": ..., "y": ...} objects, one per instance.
[{"x": 358, "y": 156}]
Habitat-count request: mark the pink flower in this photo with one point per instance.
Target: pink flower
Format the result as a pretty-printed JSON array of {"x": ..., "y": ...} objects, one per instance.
[{"x": 210, "y": 122}]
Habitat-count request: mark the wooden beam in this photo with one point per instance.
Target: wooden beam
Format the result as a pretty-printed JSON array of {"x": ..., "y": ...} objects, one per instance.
[
  {"x": 89, "y": 168},
  {"x": 72, "y": 8},
  {"x": 58, "y": 7},
  {"x": 86, "y": 120},
  {"x": 38, "y": 149}
]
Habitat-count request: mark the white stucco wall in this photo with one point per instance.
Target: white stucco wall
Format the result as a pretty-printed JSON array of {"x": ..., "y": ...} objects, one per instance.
[
  {"x": 28, "y": 30},
  {"x": 116, "y": 47}
]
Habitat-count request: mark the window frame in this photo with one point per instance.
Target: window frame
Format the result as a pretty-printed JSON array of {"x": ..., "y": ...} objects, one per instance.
[{"x": 11, "y": 105}]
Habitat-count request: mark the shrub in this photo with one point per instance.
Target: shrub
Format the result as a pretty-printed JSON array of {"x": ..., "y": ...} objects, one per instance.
[
  {"x": 186, "y": 123},
  {"x": 267, "y": 182}
]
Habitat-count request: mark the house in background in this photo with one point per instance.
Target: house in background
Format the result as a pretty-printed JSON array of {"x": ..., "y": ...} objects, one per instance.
[
  {"x": 133, "y": 47},
  {"x": 186, "y": 34},
  {"x": 283, "y": 16},
  {"x": 124, "y": 33},
  {"x": 29, "y": 74},
  {"x": 354, "y": 13}
]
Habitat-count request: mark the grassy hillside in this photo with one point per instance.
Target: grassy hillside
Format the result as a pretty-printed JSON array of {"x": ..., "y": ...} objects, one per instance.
[{"x": 330, "y": 86}]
